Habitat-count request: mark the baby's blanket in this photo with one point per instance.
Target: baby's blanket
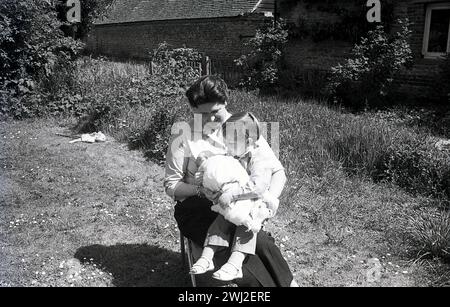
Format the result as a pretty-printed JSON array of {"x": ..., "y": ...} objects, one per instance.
[{"x": 220, "y": 170}]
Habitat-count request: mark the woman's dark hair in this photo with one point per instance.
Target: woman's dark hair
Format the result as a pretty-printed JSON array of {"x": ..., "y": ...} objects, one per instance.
[
  {"x": 207, "y": 89},
  {"x": 249, "y": 123}
]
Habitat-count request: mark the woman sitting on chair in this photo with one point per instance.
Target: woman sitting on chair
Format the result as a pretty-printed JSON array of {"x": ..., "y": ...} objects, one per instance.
[{"x": 208, "y": 98}]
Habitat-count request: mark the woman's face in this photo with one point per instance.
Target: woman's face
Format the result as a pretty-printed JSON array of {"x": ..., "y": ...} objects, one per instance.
[{"x": 212, "y": 112}]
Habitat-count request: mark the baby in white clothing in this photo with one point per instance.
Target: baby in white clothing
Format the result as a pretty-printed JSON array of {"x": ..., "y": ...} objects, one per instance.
[{"x": 226, "y": 175}]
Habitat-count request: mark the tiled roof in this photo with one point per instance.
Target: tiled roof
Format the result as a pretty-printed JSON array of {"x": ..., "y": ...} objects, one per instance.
[{"x": 147, "y": 10}]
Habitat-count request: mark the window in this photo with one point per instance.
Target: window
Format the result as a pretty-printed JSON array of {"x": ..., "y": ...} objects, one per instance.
[{"x": 437, "y": 31}]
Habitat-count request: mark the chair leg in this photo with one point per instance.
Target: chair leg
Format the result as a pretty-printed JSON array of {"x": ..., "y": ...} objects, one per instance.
[
  {"x": 183, "y": 250},
  {"x": 191, "y": 262},
  {"x": 190, "y": 258}
]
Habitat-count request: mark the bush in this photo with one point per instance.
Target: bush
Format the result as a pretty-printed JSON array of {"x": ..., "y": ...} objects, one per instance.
[
  {"x": 154, "y": 132},
  {"x": 31, "y": 47},
  {"x": 173, "y": 69},
  {"x": 261, "y": 66},
  {"x": 366, "y": 78}
]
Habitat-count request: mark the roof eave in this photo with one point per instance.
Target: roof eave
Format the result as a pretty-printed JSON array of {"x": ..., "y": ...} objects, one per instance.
[{"x": 176, "y": 19}]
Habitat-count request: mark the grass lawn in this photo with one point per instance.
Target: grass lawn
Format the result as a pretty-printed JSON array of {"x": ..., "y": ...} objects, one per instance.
[
  {"x": 82, "y": 215},
  {"x": 96, "y": 215}
]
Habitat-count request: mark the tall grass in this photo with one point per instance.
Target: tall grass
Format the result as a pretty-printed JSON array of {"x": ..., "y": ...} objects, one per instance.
[{"x": 430, "y": 231}]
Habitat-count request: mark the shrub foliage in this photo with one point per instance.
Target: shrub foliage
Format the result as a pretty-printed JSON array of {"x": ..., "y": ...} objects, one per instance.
[
  {"x": 32, "y": 45},
  {"x": 261, "y": 66},
  {"x": 366, "y": 78}
]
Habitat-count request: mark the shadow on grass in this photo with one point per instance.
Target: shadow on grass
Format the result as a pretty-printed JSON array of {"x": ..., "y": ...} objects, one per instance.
[{"x": 137, "y": 265}]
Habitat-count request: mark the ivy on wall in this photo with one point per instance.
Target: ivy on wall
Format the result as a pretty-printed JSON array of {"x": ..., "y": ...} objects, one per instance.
[{"x": 347, "y": 20}]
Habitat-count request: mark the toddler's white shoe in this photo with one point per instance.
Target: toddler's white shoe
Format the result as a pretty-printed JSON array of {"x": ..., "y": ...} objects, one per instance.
[{"x": 228, "y": 272}]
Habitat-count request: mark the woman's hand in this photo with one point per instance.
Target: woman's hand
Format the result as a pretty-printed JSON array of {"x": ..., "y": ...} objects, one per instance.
[
  {"x": 271, "y": 201},
  {"x": 212, "y": 196},
  {"x": 199, "y": 178}
]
